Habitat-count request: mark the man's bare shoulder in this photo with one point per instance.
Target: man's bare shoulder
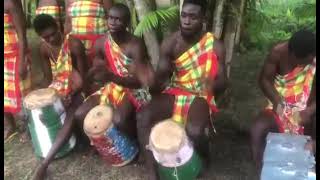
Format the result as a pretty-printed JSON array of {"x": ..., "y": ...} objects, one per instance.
[
  {"x": 43, "y": 49},
  {"x": 277, "y": 51},
  {"x": 136, "y": 41},
  {"x": 171, "y": 39}
]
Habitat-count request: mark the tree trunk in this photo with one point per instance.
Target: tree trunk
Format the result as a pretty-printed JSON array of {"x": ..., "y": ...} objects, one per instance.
[
  {"x": 181, "y": 2},
  {"x": 239, "y": 21},
  {"x": 150, "y": 37},
  {"x": 217, "y": 25}
]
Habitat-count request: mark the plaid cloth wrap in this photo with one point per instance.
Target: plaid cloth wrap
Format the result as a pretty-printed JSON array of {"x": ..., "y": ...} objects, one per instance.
[
  {"x": 14, "y": 89},
  {"x": 193, "y": 68},
  {"x": 87, "y": 17},
  {"x": 62, "y": 69},
  {"x": 53, "y": 11},
  {"x": 295, "y": 88},
  {"x": 112, "y": 93}
]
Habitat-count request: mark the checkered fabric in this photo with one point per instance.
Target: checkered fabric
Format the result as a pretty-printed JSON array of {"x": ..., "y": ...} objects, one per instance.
[
  {"x": 294, "y": 88},
  {"x": 53, "y": 11},
  {"x": 62, "y": 70},
  {"x": 193, "y": 69},
  {"x": 87, "y": 17},
  {"x": 112, "y": 93},
  {"x": 14, "y": 89}
]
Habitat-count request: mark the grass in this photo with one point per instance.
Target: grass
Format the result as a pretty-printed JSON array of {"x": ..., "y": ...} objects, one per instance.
[{"x": 230, "y": 151}]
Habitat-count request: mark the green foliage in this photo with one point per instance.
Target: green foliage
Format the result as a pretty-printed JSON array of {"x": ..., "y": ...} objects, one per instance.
[
  {"x": 160, "y": 18},
  {"x": 271, "y": 21}
]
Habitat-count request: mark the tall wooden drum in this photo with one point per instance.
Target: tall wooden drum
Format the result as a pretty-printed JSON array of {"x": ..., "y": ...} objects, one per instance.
[
  {"x": 46, "y": 117},
  {"x": 174, "y": 152}
]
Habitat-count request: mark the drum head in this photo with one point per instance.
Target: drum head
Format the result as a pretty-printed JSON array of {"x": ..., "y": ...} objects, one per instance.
[
  {"x": 167, "y": 136},
  {"x": 40, "y": 98},
  {"x": 98, "y": 120}
]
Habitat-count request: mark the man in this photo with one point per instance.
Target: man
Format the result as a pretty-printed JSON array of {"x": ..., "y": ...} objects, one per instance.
[
  {"x": 17, "y": 81},
  {"x": 86, "y": 20},
  {"x": 65, "y": 66},
  {"x": 287, "y": 80},
  {"x": 193, "y": 61},
  {"x": 120, "y": 62},
  {"x": 52, "y": 8}
]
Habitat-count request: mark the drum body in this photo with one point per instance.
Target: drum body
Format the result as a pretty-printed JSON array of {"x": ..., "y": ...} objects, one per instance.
[
  {"x": 180, "y": 162},
  {"x": 285, "y": 158},
  {"x": 46, "y": 118},
  {"x": 114, "y": 147}
]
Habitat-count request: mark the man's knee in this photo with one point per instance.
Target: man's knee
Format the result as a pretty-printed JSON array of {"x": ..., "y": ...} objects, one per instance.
[
  {"x": 263, "y": 124},
  {"x": 196, "y": 133}
]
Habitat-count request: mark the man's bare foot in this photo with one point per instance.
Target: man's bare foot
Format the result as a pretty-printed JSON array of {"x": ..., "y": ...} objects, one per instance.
[{"x": 24, "y": 137}]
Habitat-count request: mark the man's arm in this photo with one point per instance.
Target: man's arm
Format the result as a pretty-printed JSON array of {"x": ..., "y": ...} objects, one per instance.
[
  {"x": 19, "y": 22},
  {"x": 165, "y": 66},
  {"x": 312, "y": 105},
  {"x": 267, "y": 77},
  {"x": 221, "y": 80},
  {"x": 46, "y": 66},
  {"x": 67, "y": 23},
  {"x": 138, "y": 55},
  {"x": 107, "y": 4},
  {"x": 79, "y": 58}
]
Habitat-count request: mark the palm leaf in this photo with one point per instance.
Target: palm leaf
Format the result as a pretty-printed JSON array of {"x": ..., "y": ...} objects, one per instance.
[{"x": 154, "y": 19}]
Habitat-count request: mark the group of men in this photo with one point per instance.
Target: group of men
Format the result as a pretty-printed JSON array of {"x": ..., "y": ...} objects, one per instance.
[{"x": 92, "y": 59}]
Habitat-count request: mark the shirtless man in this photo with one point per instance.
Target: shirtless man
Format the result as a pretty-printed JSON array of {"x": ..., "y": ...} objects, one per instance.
[
  {"x": 17, "y": 77},
  {"x": 120, "y": 62},
  {"x": 288, "y": 81},
  {"x": 181, "y": 59},
  {"x": 52, "y": 8},
  {"x": 64, "y": 66}
]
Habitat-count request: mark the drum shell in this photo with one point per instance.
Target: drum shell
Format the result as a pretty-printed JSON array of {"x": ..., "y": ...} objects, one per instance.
[
  {"x": 188, "y": 171},
  {"x": 43, "y": 133},
  {"x": 185, "y": 163},
  {"x": 115, "y": 148}
]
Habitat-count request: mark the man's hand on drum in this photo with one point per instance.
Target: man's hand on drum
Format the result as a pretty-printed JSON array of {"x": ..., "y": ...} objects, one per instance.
[{"x": 305, "y": 117}]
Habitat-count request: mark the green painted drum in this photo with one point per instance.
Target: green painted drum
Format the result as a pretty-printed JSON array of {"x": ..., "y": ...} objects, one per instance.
[
  {"x": 173, "y": 152},
  {"x": 46, "y": 117}
]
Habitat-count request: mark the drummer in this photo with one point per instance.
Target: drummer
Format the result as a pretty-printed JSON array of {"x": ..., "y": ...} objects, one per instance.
[
  {"x": 190, "y": 71},
  {"x": 65, "y": 66},
  {"x": 288, "y": 81},
  {"x": 52, "y": 8},
  {"x": 120, "y": 62}
]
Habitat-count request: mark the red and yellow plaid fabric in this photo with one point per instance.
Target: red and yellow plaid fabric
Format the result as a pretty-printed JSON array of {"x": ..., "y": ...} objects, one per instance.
[
  {"x": 112, "y": 93},
  {"x": 53, "y": 11},
  {"x": 87, "y": 17},
  {"x": 294, "y": 88},
  {"x": 193, "y": 69},
  {"x": 61, "y": 70},
  {"x": 14, "y": 89}
]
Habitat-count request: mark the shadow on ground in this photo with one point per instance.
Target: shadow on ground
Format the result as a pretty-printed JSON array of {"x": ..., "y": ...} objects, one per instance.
[{"x": 230, "y": 151}]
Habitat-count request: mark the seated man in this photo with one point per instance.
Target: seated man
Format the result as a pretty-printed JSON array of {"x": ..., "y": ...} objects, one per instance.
[
  {"x": 287, "y": 80},
  {"x": 120, "y": 57},
  {"x": 193, "y": 60},
  {"x": 64, "y": 67}
]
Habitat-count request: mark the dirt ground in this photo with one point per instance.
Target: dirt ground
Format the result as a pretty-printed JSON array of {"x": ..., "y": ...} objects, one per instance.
[{"x": 230, "y": 152}]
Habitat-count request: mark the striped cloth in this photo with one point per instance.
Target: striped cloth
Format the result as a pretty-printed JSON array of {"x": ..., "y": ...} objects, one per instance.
[
  {"x": 61, "y": 70},
  {"x": 294, "y": 88},
  {"x": 53, "y": 11},
  {"x": 112, "y": 93},
  {"x": 87, "y": 17},
  {"x": 193, "y": 68},
  {"x": 14, "y": 89},
  {"x": 88, "y": 22}
]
